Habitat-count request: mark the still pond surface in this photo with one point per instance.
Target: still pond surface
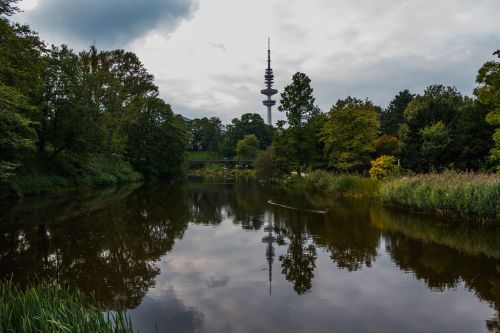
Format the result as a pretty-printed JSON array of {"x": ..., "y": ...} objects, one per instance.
[{"x": 215, "y": 257}]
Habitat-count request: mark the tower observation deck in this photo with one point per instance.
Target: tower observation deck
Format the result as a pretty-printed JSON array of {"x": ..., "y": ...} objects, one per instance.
[{"x": 269, "y": 80}]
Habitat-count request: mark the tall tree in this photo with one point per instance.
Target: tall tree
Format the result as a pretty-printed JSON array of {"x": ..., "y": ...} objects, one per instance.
[
  {"x": 419, "y": 130},
  {"x": 157, "y": 140},
  {"x": 248, "y": 123},
  {"x": 297, "y": 102},
  {"x": 393, "y": 117},
  {"x": 488, "y": 94},
  {"x": 20, "y": 67},
  {"x": 206, "y": 134},
  {"x": 350, "y": 133},
  {"x": 248, "y": 147}
]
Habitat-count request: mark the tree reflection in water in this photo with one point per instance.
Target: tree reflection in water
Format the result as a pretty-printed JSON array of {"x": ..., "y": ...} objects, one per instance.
[
  {"x": 110, "y": 251},
  {"x": 109, "y": 243}
]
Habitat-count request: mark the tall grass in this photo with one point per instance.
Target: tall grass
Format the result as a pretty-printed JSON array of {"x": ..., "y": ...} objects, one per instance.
[
  {"x": 450, "y": 193},
  {"x": 337, "y": 185},
  {"x": 45, "y": 308}
]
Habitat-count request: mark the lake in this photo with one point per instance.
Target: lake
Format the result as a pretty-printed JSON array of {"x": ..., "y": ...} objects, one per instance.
[{"x": 225, "y": 256}]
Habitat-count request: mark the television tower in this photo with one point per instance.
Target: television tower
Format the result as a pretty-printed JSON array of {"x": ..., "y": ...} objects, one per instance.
[{"x": 269, "y": 91}]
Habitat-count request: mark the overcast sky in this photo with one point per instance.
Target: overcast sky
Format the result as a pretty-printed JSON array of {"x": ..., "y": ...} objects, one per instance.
[{"x": 209, "y": 56}]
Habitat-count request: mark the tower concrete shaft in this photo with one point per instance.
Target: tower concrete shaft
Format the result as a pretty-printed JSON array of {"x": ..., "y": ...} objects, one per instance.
[{"x": 269, "y": 91}]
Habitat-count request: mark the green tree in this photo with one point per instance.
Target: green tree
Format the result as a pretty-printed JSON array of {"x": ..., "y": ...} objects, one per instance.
[
  {"x": 297, "y": 102},
  {"x": 157, "y": 140},
  {"x": 393, "y": 116},
  {"x": 387, "y": 145},
  {"x": 248, "y": 147},
  {"x": 264, "y": 164},
  {"x": 435, "y": 142},
  {"x": 206, "y": 134},
  {"x": 437, "y": 104},
  {"x": 20, "y": 66},
  {"x": 350, "y": 133},
  {"x": 488, "y": 94},
  {"x": 248, "y": 123}
]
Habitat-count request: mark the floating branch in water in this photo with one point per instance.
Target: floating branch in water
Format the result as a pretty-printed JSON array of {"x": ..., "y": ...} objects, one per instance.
[{"x": 295, "y": 208}]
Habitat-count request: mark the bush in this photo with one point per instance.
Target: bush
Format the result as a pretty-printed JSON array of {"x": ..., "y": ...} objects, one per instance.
[
  {"x": 384, "y": 167},
  {"x": 264, "y": 165},
  {"x": 451, "y": 193},
  {"x": 47, "y": 308},
  {"x": 342, "y": 185}
]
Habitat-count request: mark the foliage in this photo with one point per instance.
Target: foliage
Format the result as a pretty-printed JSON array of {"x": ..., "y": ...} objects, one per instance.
[
  {"x": 150, "y": 148},
  {"x": 435, "y": 142},
  {"x": 387, "y": 145},
  {"x": 248, "y": 123},
  {"x": 463, "y": 194},
  {"x": 350, "y": 133},
  {"x": 338, "y": 185},
  {"x": 248, "y": 147},
  {"x": 62, "y": 112},
  {"x": 20, "y": 67},
  {"x": 47, "y": 308},
  {"x": 297, "y": 102},
  {"x": 488, "y": 94},
  {"x": 206, "y": 134},
  {"x": 383, "y": 167},
  {"x": 263, "y": 165},
  {"x": 393, "y": 115},
  {"x": 443, "y": 129}
]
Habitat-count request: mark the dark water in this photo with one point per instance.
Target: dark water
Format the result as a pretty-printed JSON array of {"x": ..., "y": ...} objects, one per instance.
[{"x": 219, "y": 258}]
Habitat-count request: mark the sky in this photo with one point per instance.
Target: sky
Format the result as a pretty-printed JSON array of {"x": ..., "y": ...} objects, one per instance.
[{"x": 209, "y": 56}]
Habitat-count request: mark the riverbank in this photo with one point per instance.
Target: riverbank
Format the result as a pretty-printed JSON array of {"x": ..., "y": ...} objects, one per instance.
[
  {"x": 469, "y": 196},
  {"x": 63, "y": 174},
  {"x": 48, "y": 308}
]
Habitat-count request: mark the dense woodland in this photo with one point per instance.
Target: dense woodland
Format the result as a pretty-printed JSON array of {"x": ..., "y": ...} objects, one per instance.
[
  {"x": 79, "y": 119},
  {"x": 94, "y": 117}
]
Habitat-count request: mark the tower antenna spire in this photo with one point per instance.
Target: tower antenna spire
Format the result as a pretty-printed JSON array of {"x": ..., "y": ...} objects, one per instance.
[{"x": 269, "y": 91}]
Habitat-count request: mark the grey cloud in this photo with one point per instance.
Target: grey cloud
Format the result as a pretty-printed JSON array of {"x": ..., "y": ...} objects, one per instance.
[
  {"x": 218, "y": 46},
  {"x": 110, "y": 23}
]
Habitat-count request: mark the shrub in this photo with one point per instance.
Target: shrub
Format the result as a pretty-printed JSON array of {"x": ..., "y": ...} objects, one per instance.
[
  {"x": 384, "y": 167},
  {"x": 264, "y": 165}
]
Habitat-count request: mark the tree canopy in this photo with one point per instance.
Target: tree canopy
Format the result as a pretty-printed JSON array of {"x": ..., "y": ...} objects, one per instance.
[{"x": 350, "y": 133}]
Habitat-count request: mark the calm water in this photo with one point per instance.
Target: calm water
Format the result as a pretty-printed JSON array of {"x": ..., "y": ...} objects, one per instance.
[{"x": 205, "y": 257}]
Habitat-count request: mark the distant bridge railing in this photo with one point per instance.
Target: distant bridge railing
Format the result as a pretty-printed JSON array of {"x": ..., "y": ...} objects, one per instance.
[{"x": 220, "y": 161}]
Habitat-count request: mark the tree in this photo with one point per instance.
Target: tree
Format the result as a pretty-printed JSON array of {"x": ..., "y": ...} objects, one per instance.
[
  {"x": 350, "y": 133},
  {"x": 264, "y": 164},
  {"x": 297, "y": 102},
  {"x": 488, "y": 93},
  {"x": 393, "y": 117},
  {"x": 247, "y": 148},
  {"x": 157, "y": 140},
  {"x": 387, "y": 145},
  {"x": 206, "y": 134},
  {"x": 437, "y": 104},
  {"x": 20, "y": 66},
  {"x": 248, "y": 123}
]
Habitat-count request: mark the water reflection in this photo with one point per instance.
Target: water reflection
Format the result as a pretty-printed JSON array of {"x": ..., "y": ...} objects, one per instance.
[{"x": 179, "y": 254}]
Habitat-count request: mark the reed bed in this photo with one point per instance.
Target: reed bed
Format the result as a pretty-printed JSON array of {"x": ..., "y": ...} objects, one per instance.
[
  {"x": 45, "y": 308},
  {"x": 342, "y": 185},
  {"x": 465, "y": 194}
]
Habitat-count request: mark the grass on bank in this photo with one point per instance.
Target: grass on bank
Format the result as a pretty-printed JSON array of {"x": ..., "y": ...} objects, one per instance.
[
  {"x": 337, "y": 185},
  {"x": 466, "y": 195},
  {"x": 450, "y": 193},
  {"x": 68, "y": 171},
  {"x": 45, "y": 308}
]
